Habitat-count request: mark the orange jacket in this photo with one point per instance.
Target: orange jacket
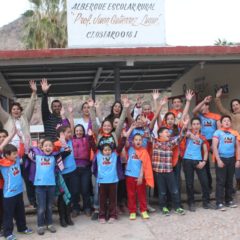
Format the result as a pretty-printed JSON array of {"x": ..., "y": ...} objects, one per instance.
[{"x": 147, "y": 165}]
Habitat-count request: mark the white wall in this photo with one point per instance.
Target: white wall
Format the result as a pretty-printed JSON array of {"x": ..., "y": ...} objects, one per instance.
[{"x": 211, "y": 77}]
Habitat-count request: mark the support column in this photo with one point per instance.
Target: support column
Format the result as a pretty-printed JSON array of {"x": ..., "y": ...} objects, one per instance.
[
  {"x": 93, "y": 94},
  {"x": 117, "y": 83}
]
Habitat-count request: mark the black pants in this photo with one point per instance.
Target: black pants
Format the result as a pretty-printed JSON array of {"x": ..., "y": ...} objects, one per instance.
[
  {"x": 83, "y": 184},
  {"x": 208, "y": 169},
  {"x": 71, "y": 181},
  {"x": 224, "y": 180},
  {"x": 30, "y": 188},
  {"x": 189, "y": 166},
  {"x": 1, "y": 208},
  {"x": 167, "y": 182},
  {"x": 13, "y": 208}
]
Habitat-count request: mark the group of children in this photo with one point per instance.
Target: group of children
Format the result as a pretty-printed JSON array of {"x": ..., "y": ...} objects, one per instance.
[{"x": 129, "y": 152}]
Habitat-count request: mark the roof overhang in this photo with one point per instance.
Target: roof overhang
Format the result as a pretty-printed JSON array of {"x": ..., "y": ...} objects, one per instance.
[{"x": 77, "y": 71}]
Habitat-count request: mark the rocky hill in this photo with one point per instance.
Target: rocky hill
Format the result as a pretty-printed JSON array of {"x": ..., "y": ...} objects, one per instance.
[{"x": 11, "y": 35}]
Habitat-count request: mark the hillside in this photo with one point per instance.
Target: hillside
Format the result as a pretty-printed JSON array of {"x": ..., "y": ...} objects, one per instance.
[{"x": 12, "y": 34}]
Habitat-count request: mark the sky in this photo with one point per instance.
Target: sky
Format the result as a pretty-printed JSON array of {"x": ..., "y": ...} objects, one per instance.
[{"x": 188, "y": 22}]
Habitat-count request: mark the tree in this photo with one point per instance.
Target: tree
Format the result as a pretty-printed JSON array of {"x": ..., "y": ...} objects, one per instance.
[
  {"x": 223, "y": 42},
  {"x": 46, "y": 25}
]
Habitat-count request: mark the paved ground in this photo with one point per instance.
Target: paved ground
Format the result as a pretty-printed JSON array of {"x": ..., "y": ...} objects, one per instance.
[{"x": 203, "y": 224}]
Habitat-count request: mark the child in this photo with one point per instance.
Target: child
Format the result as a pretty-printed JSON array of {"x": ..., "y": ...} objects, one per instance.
[
  {"x": 4, "y": 140},
  {"x": 226, "y": 152},
  {"x": 138, "y": 175},
  {"x": 106, "y": 134},
  {"x": 195, "y": 158},
  {"x": 107, "y": 170},
  {"x": 45, "y": 182},
  {"x": 69, "y": 175},
  {"x": 12, "y": 193},
  {"x": 163, "y": 169},
  {"x": 210, "y": 123}
]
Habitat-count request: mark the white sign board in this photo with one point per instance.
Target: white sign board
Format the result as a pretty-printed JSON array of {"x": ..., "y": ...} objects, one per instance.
[{"x": 115, "y": 23}]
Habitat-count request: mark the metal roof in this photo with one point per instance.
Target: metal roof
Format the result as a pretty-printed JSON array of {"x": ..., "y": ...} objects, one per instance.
[{"x": 77, "y": 71}]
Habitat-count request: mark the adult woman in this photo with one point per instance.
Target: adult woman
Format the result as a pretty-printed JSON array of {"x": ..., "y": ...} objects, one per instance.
[
  {"x": 21, "y": 119},
  {"x": 85, "y": 119},
  {"x": 116, "y": 111}
]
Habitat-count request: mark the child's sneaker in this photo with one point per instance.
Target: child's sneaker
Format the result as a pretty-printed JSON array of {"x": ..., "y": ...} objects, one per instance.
[
  {"x": 27, "y": 231},
  {"x": 111, "y": 220},
  {"x": 145, "y": 215},
  {"x": 41, "y": 230},
  {"x": 102, "y": 220},
  {"x": 95, "y": 216},
  {"x": 231, "y": 204},
  {"x": 180, "y": 211},
  {"x": 132, "y": 216},
  {"x": 165, "y": 211},
  {"x": 1, "y": 233},
  {"x": 51, "y": 229},
  {"x": 11, "y": 237},
  {"x": 221, "y": 207},
  {"x": 151, "y": 209}
]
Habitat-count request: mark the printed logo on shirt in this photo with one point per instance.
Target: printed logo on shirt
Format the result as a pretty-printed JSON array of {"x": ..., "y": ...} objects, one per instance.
[
  {"x": 15, "y": 171},
  {"x": 106, "y": 160},
  {"x": 228, "y": 140},
  {"x": 45, "y": 162},
  {"x": 197, "y": 142},
  {"x": 135, "y": 156},
  {"x": 207, "y": 123}
]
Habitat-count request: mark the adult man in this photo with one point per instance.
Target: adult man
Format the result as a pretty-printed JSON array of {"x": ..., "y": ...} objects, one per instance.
[{"x": 54, "y": 119}]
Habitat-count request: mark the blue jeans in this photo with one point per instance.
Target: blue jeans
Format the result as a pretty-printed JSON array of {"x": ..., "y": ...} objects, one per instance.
[
  {"x": 84, "y": 175},
  {"x": 45, "y": 197},
  {"x": 166, "y": 182}
]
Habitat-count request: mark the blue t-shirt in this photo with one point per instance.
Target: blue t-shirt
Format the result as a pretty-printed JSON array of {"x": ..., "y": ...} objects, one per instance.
[
  {"x": 226, "y": 144},
  {"x": 134, "y": 164},
  {"x": 107, "y": 168},
  {"x": 69, "y": 161},
  {"x": 12, "y": 180},
  {"x": 45, "y": 170},
  {"x": 193, "y": 149},
  {"x": 208, "y": 126}
]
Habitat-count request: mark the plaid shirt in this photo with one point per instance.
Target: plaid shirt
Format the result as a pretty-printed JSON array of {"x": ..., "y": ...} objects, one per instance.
[{"x": 162, "y": 155}]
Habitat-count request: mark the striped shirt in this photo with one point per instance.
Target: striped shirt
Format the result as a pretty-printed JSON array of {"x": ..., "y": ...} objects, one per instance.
[
  {"x": 50, "y": 121},
  {"x": 163, "y": 154}
]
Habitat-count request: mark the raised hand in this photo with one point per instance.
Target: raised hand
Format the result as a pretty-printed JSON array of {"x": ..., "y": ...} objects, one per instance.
[
  {"x": 62, "y": 139},
  {"x": 125, "y": 101},
  {"x": 189, "y": 94},
  {"x": 97, "y": 103},
  {"x": 62, "y": 113},
  {"x": 33, "y": 86},
  {"x": 90, "y": 132},
  {"x": 45, "y": 86},
  {"x": 219, "y": 93},
  {"x": 90, "y": 102},
  {"x": 163, "y": 101},
  {"x": 139, "y": 100},
  {"x": 208, "y": 99},
  {"x": 155, "y": 94},
  {"x": 70, "y": 107}
]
